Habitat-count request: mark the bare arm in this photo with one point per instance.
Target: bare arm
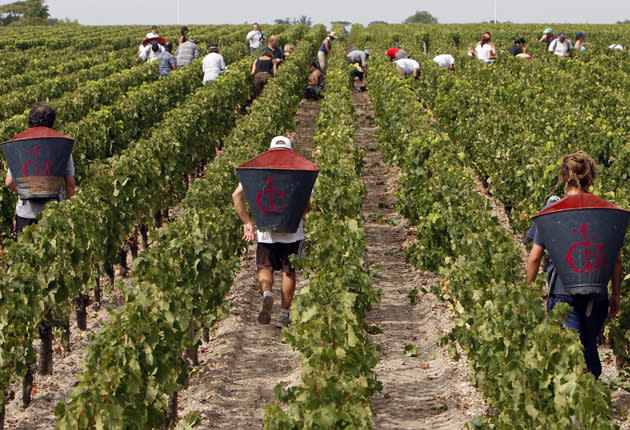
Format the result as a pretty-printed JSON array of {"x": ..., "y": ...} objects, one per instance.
[
  {"x": 615, "y": 296},
  {"x": 254, "y": 66},
  {"x": 70, "y": 186},
  {"x": 10, "y": 183},
  {"x": 238, "y": 197},
  {"x": 493, "y": 52},
  {"x": 533, "y": 262},
  {"x": 308, "y": 207}
]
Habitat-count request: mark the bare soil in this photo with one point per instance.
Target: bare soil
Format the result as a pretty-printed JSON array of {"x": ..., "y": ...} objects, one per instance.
[{"x": 428, "y": 390}]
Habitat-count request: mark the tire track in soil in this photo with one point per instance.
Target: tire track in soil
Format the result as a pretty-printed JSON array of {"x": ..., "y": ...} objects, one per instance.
[
  {"x": 429, "y": 391},
  {"x": 244, "y": 360}
]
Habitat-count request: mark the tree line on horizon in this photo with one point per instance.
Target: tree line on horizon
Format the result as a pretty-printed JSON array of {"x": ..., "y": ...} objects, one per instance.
[
  {"x": 35, "y": 12},
  {"x": 29, "y": 12}
]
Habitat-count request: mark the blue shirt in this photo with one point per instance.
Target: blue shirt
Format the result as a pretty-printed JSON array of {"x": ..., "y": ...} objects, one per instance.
[
  {"x": 165, "y": 61},
  {"x": 556, "y": 285}
]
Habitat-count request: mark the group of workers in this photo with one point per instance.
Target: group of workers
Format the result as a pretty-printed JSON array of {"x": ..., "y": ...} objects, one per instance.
[
  {"x": 577, "y": 174},
  {"x": 268, "y": 57},
  {"x": 271, "y": 56},
  {"x": 558, "y": 44},
  {"x": 156, "y": 48}
]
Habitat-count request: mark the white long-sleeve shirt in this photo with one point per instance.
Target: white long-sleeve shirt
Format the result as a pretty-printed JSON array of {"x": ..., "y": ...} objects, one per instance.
[{"x": 212, "y": 66}]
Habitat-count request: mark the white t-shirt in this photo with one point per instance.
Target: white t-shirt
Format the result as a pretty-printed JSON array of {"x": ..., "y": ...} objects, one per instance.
[
  {"x": 30, "y": 208},
  {"x": 407, "y": 65},
  {"x": 254, "y": 39},
  {"x": 560, "y": 49},
  {"x": 212, "y": 66},
  {"x": 151, "y": 36},
  {"x": 275, "y": 236},
  {"x": 444, "y": 60},
  {"x": 483, "y": 52},
  {"x": 616, "y": 46},
  {"x": 148, "y": 54}
]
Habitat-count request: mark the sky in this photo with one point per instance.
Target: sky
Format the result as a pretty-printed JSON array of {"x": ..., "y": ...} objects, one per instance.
[{"x": 190, "y": 12}]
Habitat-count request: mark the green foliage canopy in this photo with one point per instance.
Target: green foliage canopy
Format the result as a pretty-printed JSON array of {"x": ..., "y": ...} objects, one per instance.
[
  {"x": 301, "y": 20},
  {"x": 421, "y": 17},
  {"x": 28, "y": 12}
]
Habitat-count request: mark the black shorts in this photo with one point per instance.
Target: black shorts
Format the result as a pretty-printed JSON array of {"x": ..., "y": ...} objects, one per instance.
[
  {"x": 20, "y": 223},
  {"x": 275, "y": 256},
  {"x": 356, "y": 73}
]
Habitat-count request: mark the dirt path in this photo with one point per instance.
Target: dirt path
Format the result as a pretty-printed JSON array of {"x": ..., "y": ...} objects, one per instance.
[
  {"x": 245, "y": 360},
  {"x": 427, "y": 391}
]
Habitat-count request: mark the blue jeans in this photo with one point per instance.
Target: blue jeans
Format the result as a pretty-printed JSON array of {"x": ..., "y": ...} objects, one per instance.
[{"x": 588, "y": 326}]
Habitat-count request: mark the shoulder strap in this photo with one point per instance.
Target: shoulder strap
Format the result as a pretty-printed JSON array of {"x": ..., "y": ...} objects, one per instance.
[{"x": 552, "y": 281}]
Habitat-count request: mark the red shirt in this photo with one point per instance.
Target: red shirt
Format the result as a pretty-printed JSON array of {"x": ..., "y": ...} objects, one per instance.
[{"x": 391, "y": 53}]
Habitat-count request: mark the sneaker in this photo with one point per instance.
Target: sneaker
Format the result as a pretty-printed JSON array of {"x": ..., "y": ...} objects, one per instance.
[
  {"x": 283, "y": 321},
  {"x": 265, "y": 310}
]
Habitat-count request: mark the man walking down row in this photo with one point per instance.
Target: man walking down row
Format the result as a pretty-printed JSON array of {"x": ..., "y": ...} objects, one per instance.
[
  {"x": 43, "y": 117},
  {"x": 272, "y": 252}
]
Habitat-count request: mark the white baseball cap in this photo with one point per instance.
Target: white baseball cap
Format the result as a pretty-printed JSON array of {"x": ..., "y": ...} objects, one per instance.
[{"x": 280, "y": 142}]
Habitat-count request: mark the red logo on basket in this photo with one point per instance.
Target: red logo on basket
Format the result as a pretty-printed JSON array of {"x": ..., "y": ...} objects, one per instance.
[
  {"x": 36, "y": 167},
  {"x": 592, "y": 254},
  {"x": 269, "y": 199}
]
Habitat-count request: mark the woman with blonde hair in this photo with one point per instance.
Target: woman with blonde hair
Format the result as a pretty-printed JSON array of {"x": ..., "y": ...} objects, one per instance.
[
  {"x": 288, "y": 49},
  {"x": 577, "y": 174}
]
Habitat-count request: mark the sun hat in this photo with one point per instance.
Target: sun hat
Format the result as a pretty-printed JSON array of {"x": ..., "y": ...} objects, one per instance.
[
  {"x": 548, "y": 30},
  {"x": 367, "y": 52},
  {"x": 561, "y": 34},
  {"x": 213, "y": 47},
  {"x": 280, "y": 142},
  {"x": 580, "y": 34},
  {"x": 332, "y": 34}
]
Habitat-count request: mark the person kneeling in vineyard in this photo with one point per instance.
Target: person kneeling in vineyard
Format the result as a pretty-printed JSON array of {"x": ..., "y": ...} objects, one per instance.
[
  {"x": 272, "y": 252},
  {"x": 577, "y": 174},
  {"x": 40, "y": 118},
  {"x": 315, "y": 85}
]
